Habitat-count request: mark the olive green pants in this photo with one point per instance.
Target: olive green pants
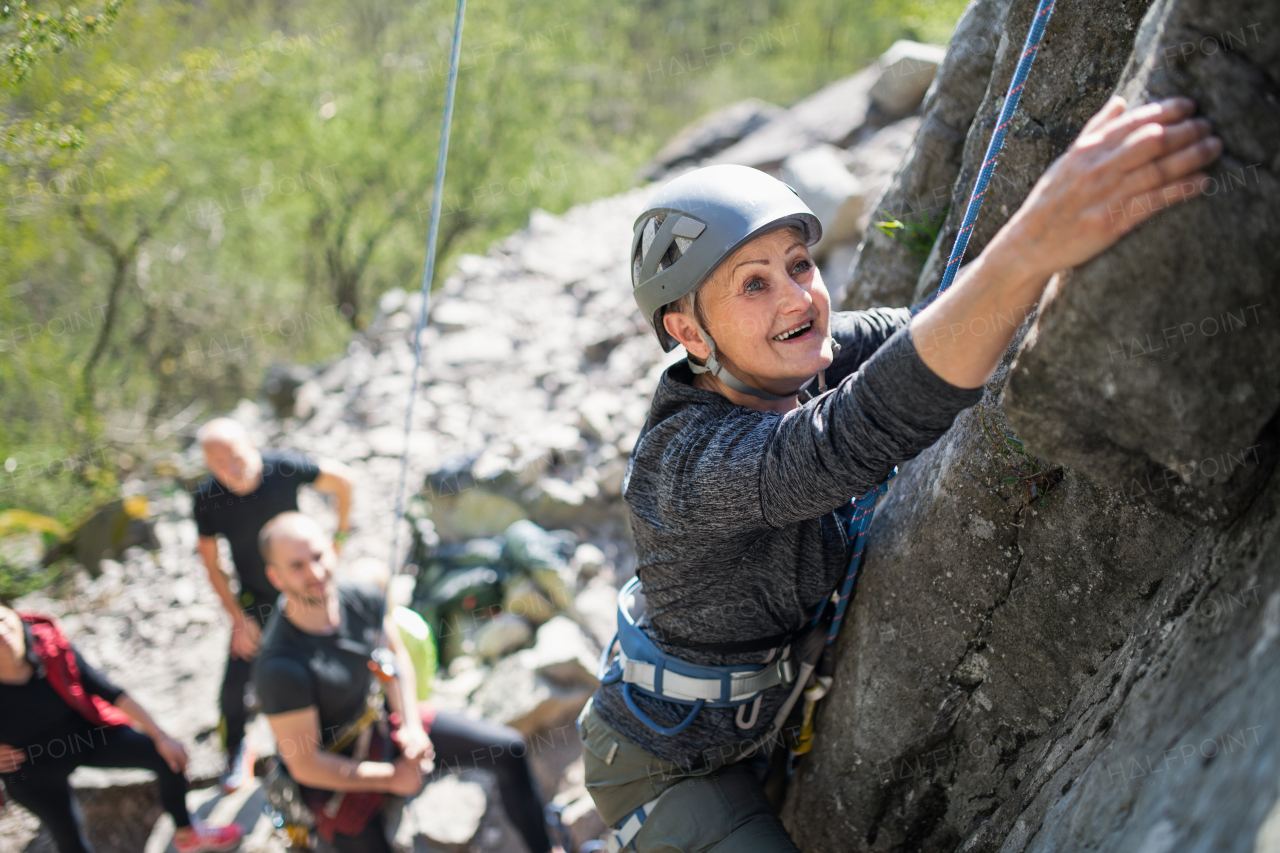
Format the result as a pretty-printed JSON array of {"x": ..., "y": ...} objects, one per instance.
[{"x": 723, "y": 810}]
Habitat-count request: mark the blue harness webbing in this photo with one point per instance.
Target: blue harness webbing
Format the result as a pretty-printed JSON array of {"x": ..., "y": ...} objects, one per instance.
[{"x": 642, "y": 665}]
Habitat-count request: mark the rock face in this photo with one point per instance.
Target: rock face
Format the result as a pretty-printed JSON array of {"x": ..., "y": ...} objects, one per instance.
[
  {"x": 1095, "y": 668},
  {"x": 1179, "y": 377},
  {"x": 886, "y": 270}
]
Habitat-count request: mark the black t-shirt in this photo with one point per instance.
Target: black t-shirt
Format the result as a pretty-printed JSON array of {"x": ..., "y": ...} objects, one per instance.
[
  {"x": 296, "y": 670},
  {"x": 33, "y": 715},
  {"x": 240, "y": 518}
]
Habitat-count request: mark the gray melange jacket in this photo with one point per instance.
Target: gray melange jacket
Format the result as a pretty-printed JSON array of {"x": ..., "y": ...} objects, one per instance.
[{"x": 739, "y": 516}]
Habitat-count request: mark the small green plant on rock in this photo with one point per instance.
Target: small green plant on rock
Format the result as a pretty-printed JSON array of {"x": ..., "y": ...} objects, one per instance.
[
  {"x": 1035, "y": 480},
  {"x": 918, "y": 237}
]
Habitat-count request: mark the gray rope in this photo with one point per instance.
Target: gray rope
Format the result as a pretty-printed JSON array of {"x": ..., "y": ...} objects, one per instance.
[{"x": 428, "y": 273}]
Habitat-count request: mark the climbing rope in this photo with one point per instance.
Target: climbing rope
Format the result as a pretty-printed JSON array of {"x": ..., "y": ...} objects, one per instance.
[
  {"x": 1011, "y": 98},
  {"x": 428, "y": 273},
  {"x": 864, "y": 507}
]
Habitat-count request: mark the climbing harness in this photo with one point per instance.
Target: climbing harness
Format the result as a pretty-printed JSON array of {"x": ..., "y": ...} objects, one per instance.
[
  {"x": 642, "y": 665},
  {"x": 285, "y": 806}
]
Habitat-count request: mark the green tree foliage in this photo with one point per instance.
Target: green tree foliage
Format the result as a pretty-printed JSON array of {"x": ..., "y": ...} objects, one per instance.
[
  {"x": 26, "y": 34},
  {"x": 217, "y": 186}
]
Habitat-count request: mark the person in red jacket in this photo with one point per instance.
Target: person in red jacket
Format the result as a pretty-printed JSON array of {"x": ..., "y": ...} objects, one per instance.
[{"x": 58, "y": 713}]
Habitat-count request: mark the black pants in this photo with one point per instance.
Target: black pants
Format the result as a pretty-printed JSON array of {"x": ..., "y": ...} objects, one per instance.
[
  {"x": 40, "y": 785},
  {"x": 235, "y": 716},
  {"x": 235, "y": 682},
  {"x": 462, "y": 742}
]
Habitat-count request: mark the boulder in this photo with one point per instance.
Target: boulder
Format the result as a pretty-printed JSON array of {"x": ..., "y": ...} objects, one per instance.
[
  {"x": 107, "y": 533},
  {"x": 446, "y": 814},
  {"x": 597, "y": 606},
  {"x": 588, "y": 561},
  {"x": 832, "y": 115},
  {"x": 835, "y": 268},
  {"x": 525, "y": 599},
  {"x": 501, "y": 636},
  {"x": 473, "y": 512},
  {"x": 906, "y": 70},
  {"x": 710, "y": 135},
  {"x": 819, "y": 177},
  {"x": 543, "y": 687}
]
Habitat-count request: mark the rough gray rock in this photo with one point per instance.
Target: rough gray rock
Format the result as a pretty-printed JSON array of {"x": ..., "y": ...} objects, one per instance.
[
  {"x": 1097, "y": 671},
  {"x": 711, "y": 134},
  {"x": 832, "y": 114},
  {"x": 886, "y": 271},
  {"x": 542, "y": 688},
  {"x": 834, "y": 195},
  {"x": 1079, "y": 63},
  {"x": 906, "y": 70},
  {"x": 1170, "y": 337}
]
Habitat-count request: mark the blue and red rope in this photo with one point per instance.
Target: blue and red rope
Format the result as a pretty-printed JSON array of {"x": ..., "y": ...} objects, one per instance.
[{"x": 865, "y": 506}]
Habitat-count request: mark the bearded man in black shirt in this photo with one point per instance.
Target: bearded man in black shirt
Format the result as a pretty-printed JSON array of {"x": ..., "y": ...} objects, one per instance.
[
  {"x": 246, "y": 489},
  {"x": 313, "y": 678}
]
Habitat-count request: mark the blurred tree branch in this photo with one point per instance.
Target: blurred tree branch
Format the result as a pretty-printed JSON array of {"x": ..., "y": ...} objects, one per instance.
[{"x": 123, "y": 255}]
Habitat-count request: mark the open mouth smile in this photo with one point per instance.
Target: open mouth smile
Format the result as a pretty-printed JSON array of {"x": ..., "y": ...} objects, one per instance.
[{"x": 797, "y": 332}]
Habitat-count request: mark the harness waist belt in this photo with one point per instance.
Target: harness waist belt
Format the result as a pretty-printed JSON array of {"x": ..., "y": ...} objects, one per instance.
[
  {"x": 642, "y": 665},
  {"x": 743, "y": 685}
]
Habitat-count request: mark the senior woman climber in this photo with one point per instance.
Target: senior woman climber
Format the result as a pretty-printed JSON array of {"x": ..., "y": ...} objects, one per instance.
[{"x": 739, "y": 487}]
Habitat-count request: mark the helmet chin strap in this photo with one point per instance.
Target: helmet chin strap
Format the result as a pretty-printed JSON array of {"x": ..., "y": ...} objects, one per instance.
[{"x": 718, "y": 370}]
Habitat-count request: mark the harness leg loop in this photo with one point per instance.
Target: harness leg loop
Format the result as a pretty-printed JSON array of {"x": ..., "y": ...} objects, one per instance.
[{"x": 755, "y": 714}]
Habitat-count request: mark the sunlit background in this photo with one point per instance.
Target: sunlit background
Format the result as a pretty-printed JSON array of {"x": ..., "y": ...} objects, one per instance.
[{"x": 204, "y": 189}]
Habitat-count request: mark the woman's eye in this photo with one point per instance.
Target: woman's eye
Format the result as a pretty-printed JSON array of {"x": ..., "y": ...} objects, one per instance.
[
  {"x": 753, "y": 286},
  {"x": 803, "y": 266}
]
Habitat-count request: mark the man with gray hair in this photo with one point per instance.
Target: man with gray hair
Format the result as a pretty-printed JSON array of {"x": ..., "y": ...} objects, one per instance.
[{"x": 246, "y": 489}]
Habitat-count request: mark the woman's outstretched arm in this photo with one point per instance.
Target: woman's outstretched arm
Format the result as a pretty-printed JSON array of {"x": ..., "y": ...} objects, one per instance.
[{"x": 1081, "y": 206}]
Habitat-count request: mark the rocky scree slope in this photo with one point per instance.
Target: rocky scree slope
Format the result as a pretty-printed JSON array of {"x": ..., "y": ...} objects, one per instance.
[
  {"x": 1096, "y": 668},
  {"x": 537, "y": 379}
]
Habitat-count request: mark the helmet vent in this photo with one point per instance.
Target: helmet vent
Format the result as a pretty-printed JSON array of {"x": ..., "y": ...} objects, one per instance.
[{"x": 674, "y": 251}]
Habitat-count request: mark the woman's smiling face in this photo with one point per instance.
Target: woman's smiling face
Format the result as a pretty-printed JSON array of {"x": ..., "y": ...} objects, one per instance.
[{"x": 768, "y": 312}]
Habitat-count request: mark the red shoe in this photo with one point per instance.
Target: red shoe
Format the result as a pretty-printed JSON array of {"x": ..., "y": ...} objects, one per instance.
[
  {"x": 239, "y": 769},
  {"x": 209, "y": 838}
]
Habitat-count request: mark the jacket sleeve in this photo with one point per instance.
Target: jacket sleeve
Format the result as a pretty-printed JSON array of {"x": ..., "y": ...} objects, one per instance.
[
  {"x": 742, "y": 469},
  {"x": 95, "y": 682},
  {"x": 847, "y": 441},
  {"x": 860, "y": 334}
]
